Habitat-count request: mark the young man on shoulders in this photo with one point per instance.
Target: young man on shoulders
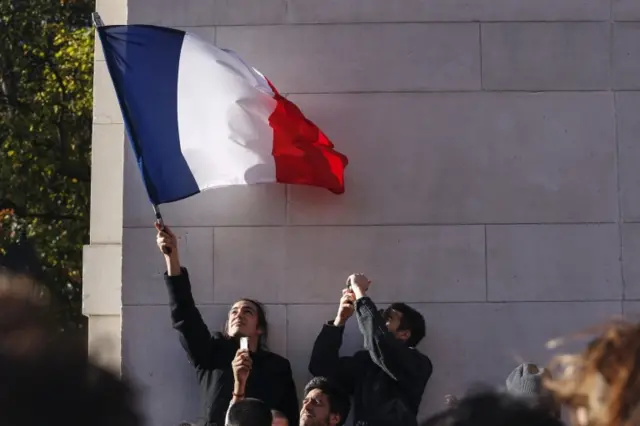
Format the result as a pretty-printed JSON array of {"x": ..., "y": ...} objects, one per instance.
[{"x": 387, "y": 379}]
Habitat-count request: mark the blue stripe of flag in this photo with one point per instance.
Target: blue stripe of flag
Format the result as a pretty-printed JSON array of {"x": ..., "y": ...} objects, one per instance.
[{"x": 143, "y": 61}]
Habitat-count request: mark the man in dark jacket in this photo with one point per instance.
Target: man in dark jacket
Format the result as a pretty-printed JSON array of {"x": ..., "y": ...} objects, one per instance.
[
  {"x": 271, "y": 379},
  {"x": 388, "y": 378}
]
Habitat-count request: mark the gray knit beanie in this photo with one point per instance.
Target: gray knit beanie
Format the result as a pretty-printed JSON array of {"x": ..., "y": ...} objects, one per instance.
[{"x": 526, "y": 380}]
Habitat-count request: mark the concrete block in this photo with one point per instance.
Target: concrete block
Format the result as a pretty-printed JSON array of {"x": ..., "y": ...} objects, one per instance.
[
  {"x": 553, "y": 262},
  {"x": 545, "y": 56},
  {"x": 98, "y": 53},
  {"x": 112, "y": 12},
  {"x": 631, "y": 310},
  {"x": 192, "y": 13},
  {"x": 169, "y": 13},
  {"x": 160, "y": 368},
  {"x": 301, "y": 264},
  {"x": 630, "y": 253},
  {"x": 144, "y": 267},
  {"x": 626, "y": 10},
  {"x": 278, "y": 320},
  {"x": 102, "y": 279},
  {"x": 107, "y": 158},
  {"x": 246, "y": 12},
  {"x": 347, "y": 58},
  {"x": 446, "y": 10},
  {"x": 106, "y": 109},
  {"x": 483, "y": 343},
  {"x": 250, "y": 262},
  {"x": 231, "y": 206},
  {"x": 105, "y": 341},
  {"x": 465, "y": 158},
  {"x": 250, "y": 12},
  {"x": 628, "y": 129},
  {"x": 626, "y": 56}
]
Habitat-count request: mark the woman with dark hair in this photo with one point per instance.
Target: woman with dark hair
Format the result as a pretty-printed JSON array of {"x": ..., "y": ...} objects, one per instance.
[{"x": 223, "y": 368}]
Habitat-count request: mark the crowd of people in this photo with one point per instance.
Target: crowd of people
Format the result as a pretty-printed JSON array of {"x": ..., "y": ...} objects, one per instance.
[{"x": 46, "y": 376}]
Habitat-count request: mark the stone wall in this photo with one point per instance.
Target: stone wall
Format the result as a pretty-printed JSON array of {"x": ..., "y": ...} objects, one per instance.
[{"x": 494, "y": 184}]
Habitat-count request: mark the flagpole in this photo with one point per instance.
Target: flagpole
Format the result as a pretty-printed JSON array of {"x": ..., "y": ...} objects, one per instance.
[
  {"x": 159, "y": 219},
  {"x": 160, "y": 222},
  {"x": 98, "y": 22}
]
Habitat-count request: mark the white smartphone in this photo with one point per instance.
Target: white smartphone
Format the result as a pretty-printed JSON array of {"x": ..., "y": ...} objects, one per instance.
[{"x": 244, "y": 343}]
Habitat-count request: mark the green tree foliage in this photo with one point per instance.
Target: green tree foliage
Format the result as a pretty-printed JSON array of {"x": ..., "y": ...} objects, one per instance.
[{"x": 46, "y": 73}]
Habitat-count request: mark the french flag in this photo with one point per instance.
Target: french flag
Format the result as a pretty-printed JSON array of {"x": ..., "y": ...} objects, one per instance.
[{"x": 199, "y": 117}]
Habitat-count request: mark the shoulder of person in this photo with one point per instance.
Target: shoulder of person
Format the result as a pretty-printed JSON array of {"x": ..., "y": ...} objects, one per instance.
[
  {"x": 418, "y": 354},
  {"x": 218, "y": 336},
  {"x": 277, "y": 360},
  {"x": 222, "y": 341},
  {"x": 424, "y": 359}
]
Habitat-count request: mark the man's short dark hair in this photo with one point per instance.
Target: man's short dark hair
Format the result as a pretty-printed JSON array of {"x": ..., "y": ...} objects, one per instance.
[
  {"x": 412, "y": 321},
  {"x": 249, "y": 412},
  {"x": 491, "y": 408},
  {"x": 339, "y": 402}
]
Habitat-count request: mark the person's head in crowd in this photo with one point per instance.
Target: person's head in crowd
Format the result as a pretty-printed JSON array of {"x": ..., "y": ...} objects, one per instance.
[
  {"x": 601, "y": 385},
  {"x": 526, "y": 381},
  {"x": 325, "y": 403},
  {"x": 279, "y": 419},
  {"x": 249, "y": 412},
  {"x": 493, "y": 408},
  {"x": 247, "y": 318},
  {"x": 46, "y": 376},
  {"x": 405, "y": 323}
]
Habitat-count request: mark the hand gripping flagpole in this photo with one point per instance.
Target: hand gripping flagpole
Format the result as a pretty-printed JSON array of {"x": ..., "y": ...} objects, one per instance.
[{"x": 98, "y": 22}]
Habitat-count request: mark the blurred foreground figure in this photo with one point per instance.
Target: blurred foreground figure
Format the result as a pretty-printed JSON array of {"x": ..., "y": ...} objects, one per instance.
[
  {"x": 493, "y": 408},
  {"x": 46, "y": 377},
  {"x": 601, "y": 386}
]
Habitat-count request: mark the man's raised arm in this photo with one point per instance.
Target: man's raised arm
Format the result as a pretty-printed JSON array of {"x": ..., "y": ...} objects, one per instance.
[
  {"x": 398, "y": 360},
  {"x": 185, "y": 316}
]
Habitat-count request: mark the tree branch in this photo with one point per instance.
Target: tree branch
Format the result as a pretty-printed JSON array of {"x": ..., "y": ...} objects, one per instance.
[
  {"x": 22, "y": 212},
  {"x": 68, "y": 168},
  {"x": 50, "y": 216}
]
